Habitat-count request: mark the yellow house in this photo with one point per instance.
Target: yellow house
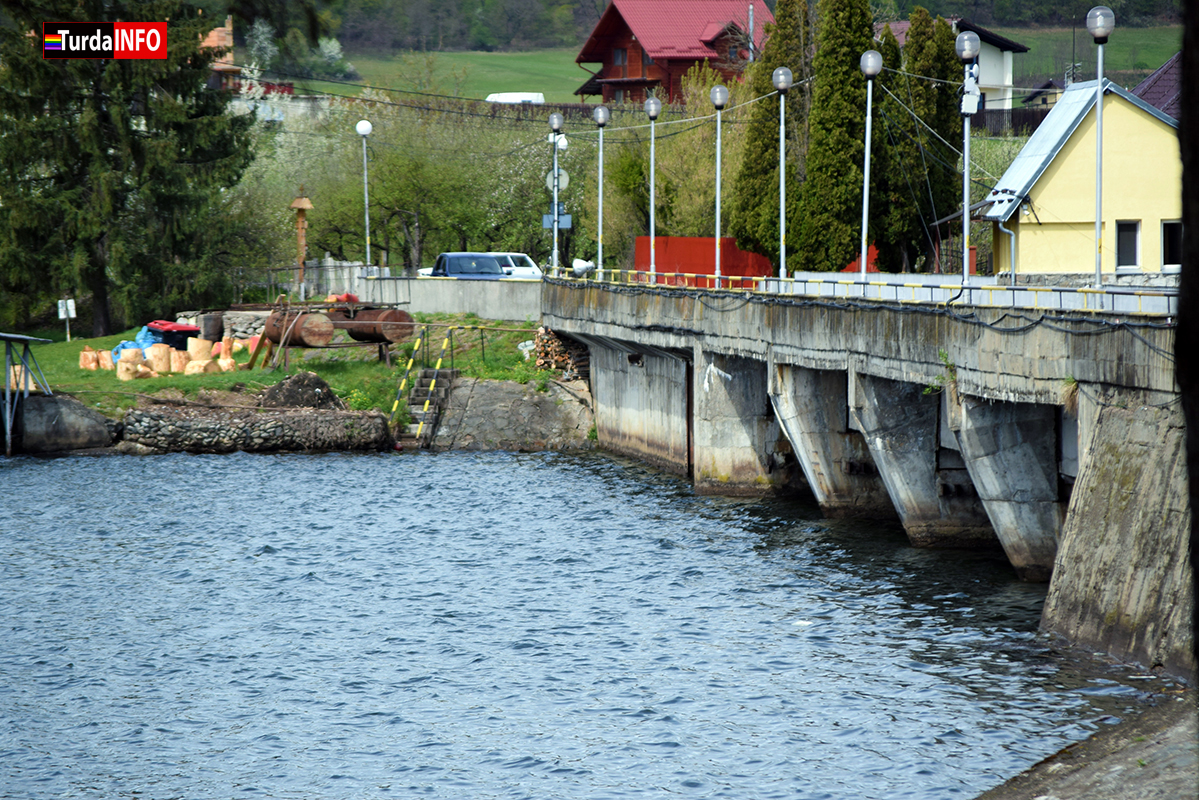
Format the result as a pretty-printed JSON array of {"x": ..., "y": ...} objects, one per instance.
[{"x": 1043, "y": 209}]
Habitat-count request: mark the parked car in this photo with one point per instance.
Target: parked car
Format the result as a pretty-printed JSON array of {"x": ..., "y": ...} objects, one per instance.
[
  {"x": 518, "y": 265},
  {"x": 465, "y": 266}
]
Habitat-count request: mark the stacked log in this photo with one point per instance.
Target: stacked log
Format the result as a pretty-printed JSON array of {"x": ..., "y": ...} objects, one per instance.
[
  {"x": 554, "y": 353},
  {"x": 105, "y": 359},
  {"x": 89, "y": 359}
]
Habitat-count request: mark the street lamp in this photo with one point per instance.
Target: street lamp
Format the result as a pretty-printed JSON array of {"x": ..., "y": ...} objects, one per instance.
[
  {"x": 364, "y": 130},
  {"x": 720, "y": 99},
  {"x": 871, "y": 64},
  {"x": 653, "y": 107},
  {"x": 967, "y": 45},
  {"x": 601, "y": 115},
  {"x": 1100, "y": 23},
  {"x": 782, "y": 83},
  {"x": 556, "y": 121}
]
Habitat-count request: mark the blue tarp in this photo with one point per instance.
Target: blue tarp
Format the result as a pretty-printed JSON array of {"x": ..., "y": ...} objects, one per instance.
[{"x": 145, "y": 337}]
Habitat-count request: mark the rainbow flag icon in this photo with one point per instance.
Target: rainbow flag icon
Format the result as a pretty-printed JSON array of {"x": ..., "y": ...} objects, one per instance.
[{"x": 53, "y": 41}]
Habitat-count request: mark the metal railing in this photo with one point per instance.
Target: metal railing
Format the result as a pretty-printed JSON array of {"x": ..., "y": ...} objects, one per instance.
[{"x": 904, "y": 289}]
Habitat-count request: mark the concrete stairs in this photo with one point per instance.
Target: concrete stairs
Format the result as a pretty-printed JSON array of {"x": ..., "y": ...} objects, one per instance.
[{"x": 437, "y": 397}]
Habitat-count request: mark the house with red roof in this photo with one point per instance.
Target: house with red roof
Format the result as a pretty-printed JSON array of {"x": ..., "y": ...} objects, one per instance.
[{"x": 645, "y": 47}]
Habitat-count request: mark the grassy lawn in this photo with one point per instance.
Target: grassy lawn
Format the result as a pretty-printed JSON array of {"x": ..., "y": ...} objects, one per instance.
[
  {"x": 469, "y": 74},
  {"x": 481, "y": 348},
  {"x": 1130, "y": 54}
]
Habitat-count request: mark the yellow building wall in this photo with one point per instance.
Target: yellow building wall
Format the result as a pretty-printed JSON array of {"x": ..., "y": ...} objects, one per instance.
[{"x": 1142, "y": 180}]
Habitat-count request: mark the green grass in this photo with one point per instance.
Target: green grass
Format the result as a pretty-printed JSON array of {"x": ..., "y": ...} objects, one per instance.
[
  {"x": 475, "y": 75},
  {"x": 1130, "y": 54},
  {"x": 487, "y": 350}
]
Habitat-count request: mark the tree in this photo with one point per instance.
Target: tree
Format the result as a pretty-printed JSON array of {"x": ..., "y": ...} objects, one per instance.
[
  {"x": 113, "y": 169},
  {"x": 830, "y": 205},
  {"x": 753, "y": 206},
  {"x": 918, "y": 176}
]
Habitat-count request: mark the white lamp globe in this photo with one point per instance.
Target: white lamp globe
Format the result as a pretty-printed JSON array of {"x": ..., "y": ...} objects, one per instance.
[{"x": 364, "y": 127}]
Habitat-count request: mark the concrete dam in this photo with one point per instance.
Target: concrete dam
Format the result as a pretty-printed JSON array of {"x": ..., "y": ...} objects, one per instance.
[{"x": 1055, "y": 434}]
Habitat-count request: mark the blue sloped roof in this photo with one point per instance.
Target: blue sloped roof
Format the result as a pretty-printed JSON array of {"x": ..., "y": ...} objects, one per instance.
[{"x": 1047, "y": 141}]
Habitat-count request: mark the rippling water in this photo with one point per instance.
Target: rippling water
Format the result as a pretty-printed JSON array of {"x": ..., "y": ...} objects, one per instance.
[{"x": 500, "y": 626}]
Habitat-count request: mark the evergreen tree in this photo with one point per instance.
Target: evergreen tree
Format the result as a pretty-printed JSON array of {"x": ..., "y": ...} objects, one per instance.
[
  {"x": 830, "y": 206},
  {"x": 753, "y": 204},
  {"x": 920, "y": 178},
  {"x": 113, "y": 169}
]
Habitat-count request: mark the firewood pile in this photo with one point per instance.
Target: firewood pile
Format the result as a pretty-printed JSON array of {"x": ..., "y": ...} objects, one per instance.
[{"x": 567, "y": 355}]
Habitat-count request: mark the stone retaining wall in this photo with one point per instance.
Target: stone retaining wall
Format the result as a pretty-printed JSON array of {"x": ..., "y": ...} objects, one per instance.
[{"x": 225, "y": 431}]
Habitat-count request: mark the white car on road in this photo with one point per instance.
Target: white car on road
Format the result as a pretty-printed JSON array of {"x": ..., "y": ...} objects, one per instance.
[{"x": 518, "y": 265}]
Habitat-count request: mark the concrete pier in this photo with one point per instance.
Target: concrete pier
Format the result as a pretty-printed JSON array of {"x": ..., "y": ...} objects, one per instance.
[
  {"x": 1010, "y": 451},
  {"x": 736, "y": 433},
  {"x": 927, "y": 483},
  {"x": 813, "y": 408}
]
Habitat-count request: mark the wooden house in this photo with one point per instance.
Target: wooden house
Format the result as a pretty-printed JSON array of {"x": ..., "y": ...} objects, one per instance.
[{"x": 646, "y": 46}]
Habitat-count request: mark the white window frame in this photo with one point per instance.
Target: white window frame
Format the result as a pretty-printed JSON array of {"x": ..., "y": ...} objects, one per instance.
[
  {"x": 1128, "y": 269},
  {"x": 1173, "y": 268}
]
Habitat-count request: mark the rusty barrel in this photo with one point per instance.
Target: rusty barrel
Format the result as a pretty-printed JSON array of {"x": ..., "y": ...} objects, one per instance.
[
  {"x": 309, "y": 330},
  {"x": 374, "y": 324}
]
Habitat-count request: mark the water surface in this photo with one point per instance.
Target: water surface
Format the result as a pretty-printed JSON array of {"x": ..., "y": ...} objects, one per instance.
[{"x": 501, "y": 626}]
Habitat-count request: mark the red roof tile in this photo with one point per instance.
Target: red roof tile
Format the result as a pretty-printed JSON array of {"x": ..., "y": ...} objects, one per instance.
[{"x": 673, "y": 28}]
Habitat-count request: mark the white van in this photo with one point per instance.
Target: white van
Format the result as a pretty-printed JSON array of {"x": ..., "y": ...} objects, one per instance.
[{"x": 536, "y": 98}]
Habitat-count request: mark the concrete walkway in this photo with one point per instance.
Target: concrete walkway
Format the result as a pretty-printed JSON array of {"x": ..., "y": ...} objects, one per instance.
[{"x": 1153, "y": 756}]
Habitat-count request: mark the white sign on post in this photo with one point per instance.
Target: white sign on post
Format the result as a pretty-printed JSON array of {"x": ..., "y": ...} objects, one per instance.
[{"x": 66, "y": 310}]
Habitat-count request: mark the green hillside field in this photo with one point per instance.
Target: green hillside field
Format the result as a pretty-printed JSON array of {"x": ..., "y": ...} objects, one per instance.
[
  {"x": 1129, "y": 56},
  {"x": 475, "y": 75}
]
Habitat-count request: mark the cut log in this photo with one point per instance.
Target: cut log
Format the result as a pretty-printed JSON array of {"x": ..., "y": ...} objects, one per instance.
[
  {"x": 89, "y": 359},
  {"x": 159, "y": 357},
  {"x": 202, "y": 367},
  {"x": 179, "y": 360},
  {"x": 199, "y": 349},
  {"x": 105, "y": 357},
  {"x": 227, "y": 364},
  {"x": 127, "y": 369},
  {"x": 302, "y": 330},
  {"x": 227, "y": 347},
  {"x": 145, "y": 371},
  {"x": 374, "y": 324}
]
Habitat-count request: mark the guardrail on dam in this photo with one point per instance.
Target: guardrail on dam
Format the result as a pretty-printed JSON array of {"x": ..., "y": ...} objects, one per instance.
[{"x": 1056, "y": 433}]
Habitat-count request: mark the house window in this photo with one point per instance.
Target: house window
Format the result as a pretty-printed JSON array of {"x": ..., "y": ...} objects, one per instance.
[
  {"x": 620, "y": 60},
  {"x": 1171, "y": 246},
  {"x": 1128, "y": 244},
  {"x": 618, "y": 95}
]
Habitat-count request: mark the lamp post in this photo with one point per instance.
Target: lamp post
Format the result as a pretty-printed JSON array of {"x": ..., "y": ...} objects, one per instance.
[
  {"x": 601, "y": 115},
  {"x": 967, "y": 46},
  {"x": 871, "y": 64},
  {"x": 653, "y": 107},
  {"x": 364, "y": 130},
  {"x": 781, "y": 78},
  {"x": 556, "y": 121},
  {"x": 1100, "y": 24},
  {"x": 720, "y": 99}
]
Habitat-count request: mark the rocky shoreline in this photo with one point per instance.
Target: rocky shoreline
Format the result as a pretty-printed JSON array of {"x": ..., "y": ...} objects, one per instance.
[{"x": 301, "y": 414}]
